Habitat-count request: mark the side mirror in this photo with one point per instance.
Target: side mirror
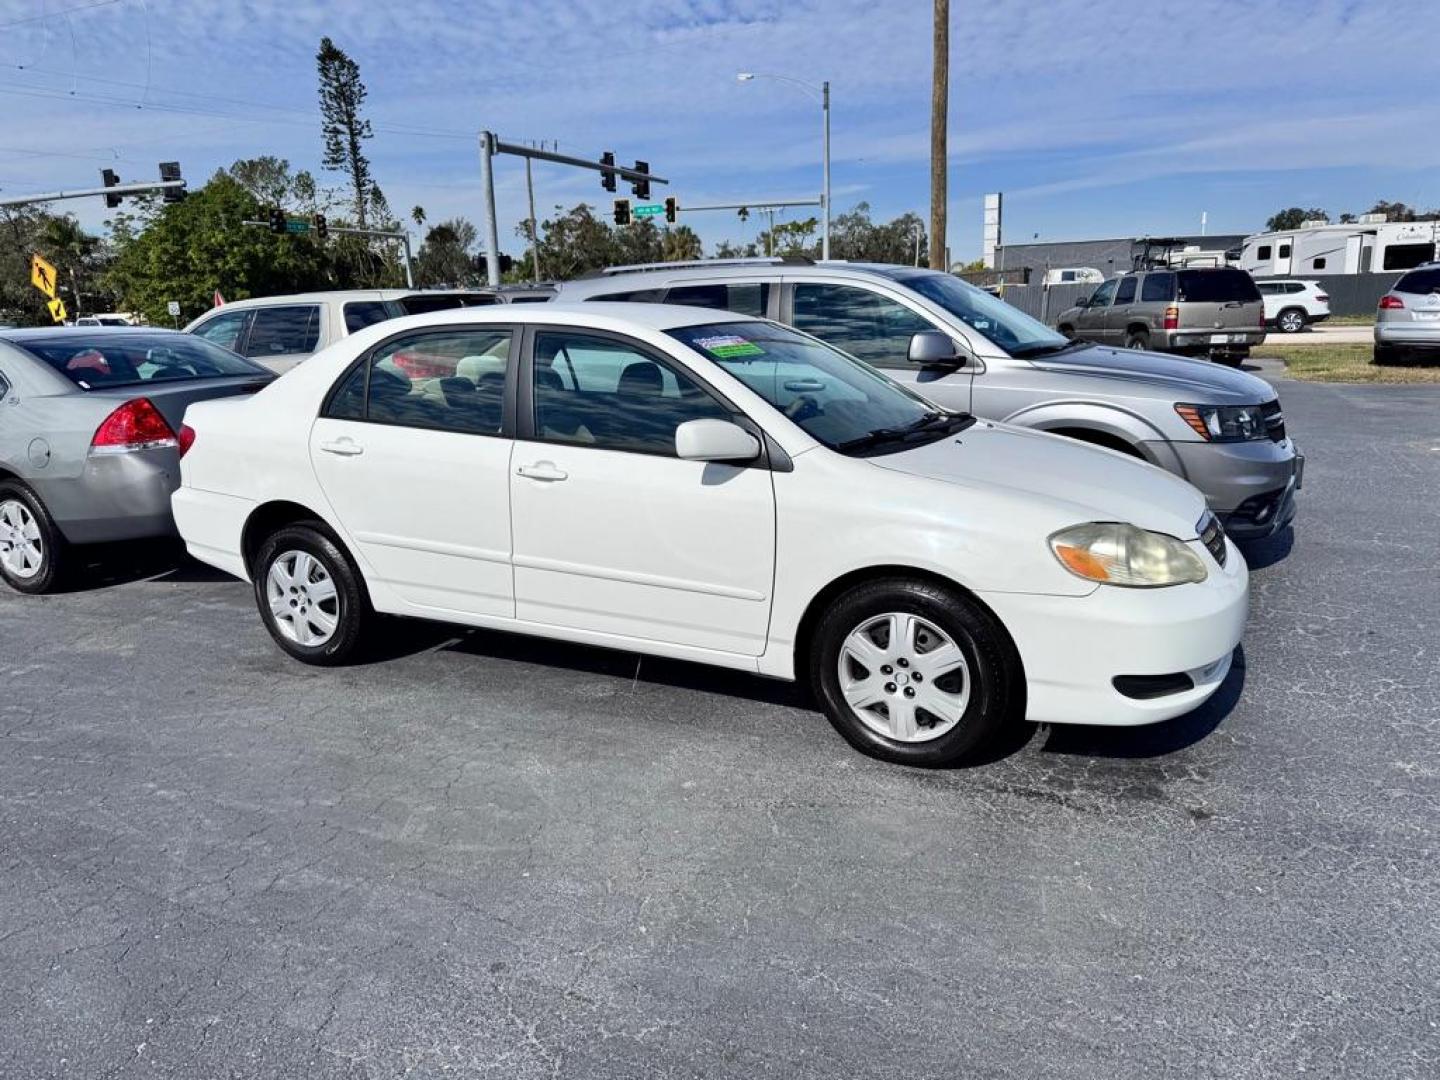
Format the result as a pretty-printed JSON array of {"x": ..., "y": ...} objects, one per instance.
[
  {"x": 935, "y": 347},
  {"x": 715, "y": 440},
  {"x": 1082, "y": 301}
]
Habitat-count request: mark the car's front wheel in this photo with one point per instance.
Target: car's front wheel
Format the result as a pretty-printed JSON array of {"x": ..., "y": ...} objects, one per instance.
[
  {"x": 915, "y": 673},
  {"x": 310, "y": 596},
  {"x": 30, "y": 545}
]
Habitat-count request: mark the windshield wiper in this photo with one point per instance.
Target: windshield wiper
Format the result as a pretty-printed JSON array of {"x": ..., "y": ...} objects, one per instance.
[
  {"x": 929, "y": 422},
  {"x": 1046, "y": 349}
]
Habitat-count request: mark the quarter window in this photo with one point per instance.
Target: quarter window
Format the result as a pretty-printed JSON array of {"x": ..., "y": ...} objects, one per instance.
[
  {"x": 1126, "y": 291},
  {"x": 864, "y": 324},
  {"x": 362, "y": 313},
  {"x": 284, "y": 331},
  {"x": 1158, "y": 287},
  {"x": 749, "y": 298},
  {"x": 447, "y": 381},
  {"x": 224, "y": 330},
  {"x": 595, "y": 391}
]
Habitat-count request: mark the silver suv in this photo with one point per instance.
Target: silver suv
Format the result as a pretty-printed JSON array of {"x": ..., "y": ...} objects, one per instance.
[
  {"x": 1407, "y": 323},
  {"x": 1216, "y": 312},
  {"x": 967, "y": 350}
]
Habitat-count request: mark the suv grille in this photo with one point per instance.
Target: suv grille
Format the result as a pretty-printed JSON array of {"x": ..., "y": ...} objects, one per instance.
[
  {"x": 1213, "y": 536},
  {"x": 1274, "y": 420}
]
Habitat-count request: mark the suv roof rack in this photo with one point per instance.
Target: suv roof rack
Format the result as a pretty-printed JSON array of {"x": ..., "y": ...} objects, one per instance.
[{"x": 753, "y": 260}]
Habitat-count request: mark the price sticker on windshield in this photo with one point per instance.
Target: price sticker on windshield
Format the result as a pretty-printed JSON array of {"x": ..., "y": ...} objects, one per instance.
[{"x": 729, "y": 346}]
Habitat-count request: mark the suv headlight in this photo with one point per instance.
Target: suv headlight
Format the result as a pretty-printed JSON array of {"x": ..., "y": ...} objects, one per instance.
[
  {"x": 1225, "y": 423},
  {"x": 1116, "y": 554}
]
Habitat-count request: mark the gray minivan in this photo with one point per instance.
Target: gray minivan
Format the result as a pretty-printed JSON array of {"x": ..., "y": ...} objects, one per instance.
[
  {"x": 1196, "y": 311},
  {"x": 969, "y": 351}
]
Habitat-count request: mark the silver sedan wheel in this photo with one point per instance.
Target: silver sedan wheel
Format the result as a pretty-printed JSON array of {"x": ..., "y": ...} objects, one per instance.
[
  {"x": 904, "y": 678},
  {"x": 21, "y": 549},
  {"x": 302, "y": 596}
]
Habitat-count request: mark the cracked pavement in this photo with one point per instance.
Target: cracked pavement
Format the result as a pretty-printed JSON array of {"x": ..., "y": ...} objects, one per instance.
[{"x": 495, "y": 856}]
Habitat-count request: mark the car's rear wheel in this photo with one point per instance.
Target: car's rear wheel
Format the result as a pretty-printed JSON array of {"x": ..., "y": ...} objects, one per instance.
[
  {"x": 1137, "y": 339},
  {"x": 912, "y": 672},
  {"x": 310, "y": 596},
  {"x": 1291, "y": 321},
  {"x": 1389, "y": 354},
  {"x": 31, "y": 550}
]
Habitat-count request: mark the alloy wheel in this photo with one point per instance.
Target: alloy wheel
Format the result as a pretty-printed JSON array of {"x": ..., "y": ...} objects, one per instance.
[
  {"x": 21, "y": 549},
  {"x": 1292, "y": 322},
  {"x": 303, "y": 599},
  {"x": 903, "y": 677}
]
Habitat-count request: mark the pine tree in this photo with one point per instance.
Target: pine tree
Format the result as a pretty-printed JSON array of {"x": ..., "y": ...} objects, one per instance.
[{"x": 342, "y": 95}]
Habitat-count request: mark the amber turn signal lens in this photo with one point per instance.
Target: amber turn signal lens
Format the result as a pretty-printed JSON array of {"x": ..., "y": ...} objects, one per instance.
[
  {"x": 1081, "y": 562},
  {"x": 1191, "y": 416}
]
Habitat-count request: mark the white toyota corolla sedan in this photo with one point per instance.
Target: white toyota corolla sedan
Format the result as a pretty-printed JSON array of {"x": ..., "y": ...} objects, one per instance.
[{"x": 696, "y": 484}]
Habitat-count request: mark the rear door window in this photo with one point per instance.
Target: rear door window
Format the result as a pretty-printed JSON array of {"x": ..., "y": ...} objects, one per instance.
[
  {"x": 749, "y": 298},
  {"x": 1216, "y": 286},
  {"x": 1126, "y": 293},
  {"x": 284, "y": 331}
]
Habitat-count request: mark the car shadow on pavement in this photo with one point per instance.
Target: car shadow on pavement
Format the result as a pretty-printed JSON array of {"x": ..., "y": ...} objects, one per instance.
[
  {"x": 104, "y": 566},
  {"x": 1152, "y": 740},
  {"x": 1260, "y": 554}
]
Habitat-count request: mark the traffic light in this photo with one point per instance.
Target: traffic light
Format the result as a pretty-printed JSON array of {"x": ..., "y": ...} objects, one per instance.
[
  {"x": 607, "y": 176},
  {"x": 277, "y": 220},
  {"x": 319, "y": 226},
  {"x": 170, "y": 170},
  {"x": 507, "y": 263},
  {"x": 110, "y": 180},
  {"x": 672, "y": 208},
  {"x": 641, "y": 188},
  {"x": 622, "y": 211}
]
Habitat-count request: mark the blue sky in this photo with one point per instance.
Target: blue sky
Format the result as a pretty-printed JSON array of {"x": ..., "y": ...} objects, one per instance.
[{"x": 1094, "y": 119}]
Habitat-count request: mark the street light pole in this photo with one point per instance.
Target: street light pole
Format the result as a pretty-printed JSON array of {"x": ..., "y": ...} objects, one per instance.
[{"x": 823, "y": 90}]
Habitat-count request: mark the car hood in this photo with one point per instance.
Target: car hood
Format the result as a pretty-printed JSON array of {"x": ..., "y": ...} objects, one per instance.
[
  {"x": 1081, "y": 482},
  {"x": 1181, "y": 378}
]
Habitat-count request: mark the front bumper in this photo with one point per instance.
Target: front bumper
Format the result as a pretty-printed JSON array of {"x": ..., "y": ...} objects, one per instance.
[
  {"x": 1251, "y": 486},
  {"x": 1073, "y": 648}
]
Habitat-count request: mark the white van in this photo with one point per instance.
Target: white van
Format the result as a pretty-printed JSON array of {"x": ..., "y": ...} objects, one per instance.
[{"x": 1073, "y": 275}]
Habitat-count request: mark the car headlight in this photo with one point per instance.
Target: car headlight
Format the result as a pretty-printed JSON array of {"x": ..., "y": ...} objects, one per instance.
[
  {"x": 1225, "y": 423},
  {"x": 1116, "y": 554}
]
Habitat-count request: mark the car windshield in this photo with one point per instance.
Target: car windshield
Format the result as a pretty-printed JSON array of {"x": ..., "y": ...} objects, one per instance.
[
  {"x": 995, "y": 320},
  {"x": 93, "y": 362},
  {"x": 836, "y": 399}
]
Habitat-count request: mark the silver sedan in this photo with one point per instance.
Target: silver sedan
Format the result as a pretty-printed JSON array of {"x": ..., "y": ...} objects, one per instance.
[{"x": 91, "y": 432}]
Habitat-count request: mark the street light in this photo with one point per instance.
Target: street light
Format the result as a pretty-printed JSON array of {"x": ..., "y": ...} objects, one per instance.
[{"x": 823, "y": 90}]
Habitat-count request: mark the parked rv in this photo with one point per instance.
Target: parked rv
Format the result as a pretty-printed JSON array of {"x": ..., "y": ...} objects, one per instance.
[{"x": 1366, "y": 246}]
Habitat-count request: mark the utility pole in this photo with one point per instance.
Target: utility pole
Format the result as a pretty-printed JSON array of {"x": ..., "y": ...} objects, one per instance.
[
  {"x": 534, "y": 229},
  {"x": 939, "y": 118}
]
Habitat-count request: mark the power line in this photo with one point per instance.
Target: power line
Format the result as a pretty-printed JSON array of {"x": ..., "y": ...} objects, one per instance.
[{"x": 56, "y": 14}]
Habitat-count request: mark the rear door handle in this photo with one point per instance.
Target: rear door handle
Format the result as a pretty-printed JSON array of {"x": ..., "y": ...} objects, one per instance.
[
  {"x": 343, "y": 447},
  {"x": 542, "y": 470}
]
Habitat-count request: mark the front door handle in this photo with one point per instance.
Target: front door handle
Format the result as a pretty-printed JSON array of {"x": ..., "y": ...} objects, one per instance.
[
  {"x": 542, "y": 470},
  {"x": 343, "y": 447}
]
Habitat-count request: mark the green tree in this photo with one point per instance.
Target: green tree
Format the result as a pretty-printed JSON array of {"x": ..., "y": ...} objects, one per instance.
[
  {"x": 854, "y": 236},
  {"x": 185, "y": 251},
  {"x": 1399, "y": 211},
  {"x": 1293, "y": 217},
  {"x": 342, "y": 97},
  {"x": 447, "y": 255},
  {"x": 575, "y": 242},
  {"x": 681, "y": 244},
  {"x": 78, "y": 257},
  {"x": 793, "y": 238},
  {"x": 727, "y": 250}
]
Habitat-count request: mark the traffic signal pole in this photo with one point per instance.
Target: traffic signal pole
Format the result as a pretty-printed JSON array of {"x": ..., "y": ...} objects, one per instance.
[
  {"x": 490, "y": 146},
  {"x": 374, "y": 234},
  {"x": 86, "y": 193}
]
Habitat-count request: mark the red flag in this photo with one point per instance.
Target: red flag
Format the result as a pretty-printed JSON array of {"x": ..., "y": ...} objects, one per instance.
[{"x": 217, "y": 300}]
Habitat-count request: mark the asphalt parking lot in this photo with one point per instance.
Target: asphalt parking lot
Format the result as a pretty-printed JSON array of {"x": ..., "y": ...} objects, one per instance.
[{"x": 488, "y": 856}]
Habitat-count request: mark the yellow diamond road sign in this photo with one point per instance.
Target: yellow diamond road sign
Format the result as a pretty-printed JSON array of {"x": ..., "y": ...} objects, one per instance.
[
  {"x": 57, "y": 310},
  {"x": 42, "y": 275}
]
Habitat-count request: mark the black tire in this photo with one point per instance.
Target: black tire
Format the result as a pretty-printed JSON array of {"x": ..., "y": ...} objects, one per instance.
[
  {"x": 1291, "y": 321},
  {"x": 350, "y": 607},
  {"x": 53, "y": 552},
  {"x": 1137, "y": 338},
  {"x": 996, "y": 681},
  {"x": 1388, "y": 354}
]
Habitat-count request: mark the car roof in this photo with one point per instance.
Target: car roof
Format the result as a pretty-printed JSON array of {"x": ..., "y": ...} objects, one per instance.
[
  {"x": 626, "y": 279},
  {"x": 607, "y": 314},
  {"x": 23, "y": 334},
  {"x": 340, "y": 295}
]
